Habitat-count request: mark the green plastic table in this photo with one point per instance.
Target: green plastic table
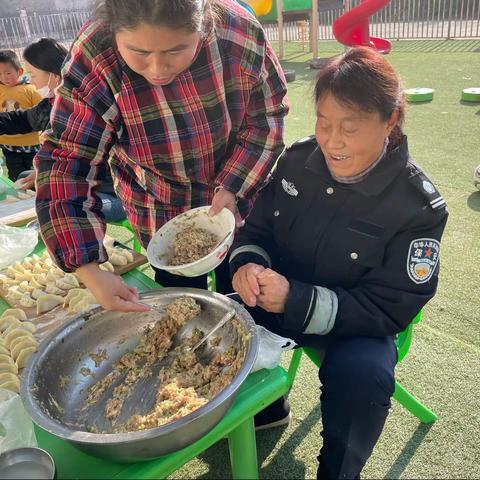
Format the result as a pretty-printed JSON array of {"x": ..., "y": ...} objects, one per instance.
[{"x": 259, "y": 390}]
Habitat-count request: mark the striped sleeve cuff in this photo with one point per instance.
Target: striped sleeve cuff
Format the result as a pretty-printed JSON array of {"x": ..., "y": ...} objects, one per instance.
[
  {"x": 310, "y": 309},
  {"x": 248, "y": 254}
]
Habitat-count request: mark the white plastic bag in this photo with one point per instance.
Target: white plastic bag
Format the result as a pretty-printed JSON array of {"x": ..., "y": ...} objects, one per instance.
[
  {"x": 270, "y": 348},
  {"x": 15, "y": 244},
  {"x": 16, "y": 427}
]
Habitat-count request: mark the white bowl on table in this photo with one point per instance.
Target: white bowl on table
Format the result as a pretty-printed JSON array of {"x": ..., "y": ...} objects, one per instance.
[{"x": 159, "y": 250}]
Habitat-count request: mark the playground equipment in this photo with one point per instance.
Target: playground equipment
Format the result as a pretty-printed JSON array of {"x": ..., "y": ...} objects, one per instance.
[
  {"x": 417, "y": 95},
  {"x": 471, "y": 94},
  {"x": 352, "y": 28},
  {"x": 259, "y": 7}
]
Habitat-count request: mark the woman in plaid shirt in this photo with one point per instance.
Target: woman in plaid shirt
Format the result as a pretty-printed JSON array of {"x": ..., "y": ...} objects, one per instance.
[{"x": 184, "y": 99}]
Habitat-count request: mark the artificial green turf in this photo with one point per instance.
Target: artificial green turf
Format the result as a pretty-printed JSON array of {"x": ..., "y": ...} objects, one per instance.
[{"x": 442, "y": 368}]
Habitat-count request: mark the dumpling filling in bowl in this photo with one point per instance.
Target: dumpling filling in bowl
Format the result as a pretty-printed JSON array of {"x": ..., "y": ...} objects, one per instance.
[{"x": 192, "y": 244}]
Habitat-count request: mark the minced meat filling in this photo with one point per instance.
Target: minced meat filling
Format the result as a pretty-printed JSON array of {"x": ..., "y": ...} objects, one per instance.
[
  {"x": 192, "y": 244},
  {"x": 185, "y": 384}
]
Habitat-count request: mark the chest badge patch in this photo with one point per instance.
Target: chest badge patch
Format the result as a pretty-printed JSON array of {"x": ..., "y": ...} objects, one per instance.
[
  {"x": 428, "y": 187},
  {"x": 422, "y": 259},
  {"x": 289, "y": 187}
]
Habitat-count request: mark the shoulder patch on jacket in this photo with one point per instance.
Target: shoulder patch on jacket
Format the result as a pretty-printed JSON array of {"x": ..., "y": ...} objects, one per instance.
[
  {"x": 423, "y": 184},
  {"x": 302, "y": 142}
]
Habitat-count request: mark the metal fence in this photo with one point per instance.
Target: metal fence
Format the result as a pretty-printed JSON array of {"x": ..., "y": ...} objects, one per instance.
[
  {"x": 401, "y": 19},
  {"x": 17, "y": 32}
]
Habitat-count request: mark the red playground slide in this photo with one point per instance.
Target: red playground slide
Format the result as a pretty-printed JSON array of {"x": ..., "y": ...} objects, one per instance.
[{"x": 352, "y": 28}]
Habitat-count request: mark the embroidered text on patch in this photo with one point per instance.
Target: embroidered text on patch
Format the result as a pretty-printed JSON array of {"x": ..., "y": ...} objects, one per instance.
[
  {"x": 422, "y": 259},
  {"x": 289, "y": 187}
]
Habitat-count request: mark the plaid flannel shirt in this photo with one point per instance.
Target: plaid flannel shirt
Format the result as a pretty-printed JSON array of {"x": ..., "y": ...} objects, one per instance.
[{"x": 220, "y": 123}]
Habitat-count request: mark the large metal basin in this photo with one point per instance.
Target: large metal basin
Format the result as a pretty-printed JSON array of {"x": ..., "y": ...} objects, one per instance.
[{"x": 57, "y": 408}]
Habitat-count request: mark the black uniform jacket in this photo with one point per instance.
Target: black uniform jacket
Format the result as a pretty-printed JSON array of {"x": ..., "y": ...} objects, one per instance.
[{"x": 375, "y": 243}]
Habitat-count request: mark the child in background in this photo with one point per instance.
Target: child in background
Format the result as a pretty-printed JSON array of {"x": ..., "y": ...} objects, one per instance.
[{"x": 18, "y": 150}]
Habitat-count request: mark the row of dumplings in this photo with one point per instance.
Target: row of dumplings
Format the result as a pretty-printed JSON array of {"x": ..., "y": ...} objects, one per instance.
[
  {"x": 17, "y": 344},
  {"x": 37, "y": 282}
]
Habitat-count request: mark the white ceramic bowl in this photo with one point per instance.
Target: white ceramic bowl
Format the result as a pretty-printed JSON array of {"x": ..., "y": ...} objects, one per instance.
[{"x": 159, "y": 250}]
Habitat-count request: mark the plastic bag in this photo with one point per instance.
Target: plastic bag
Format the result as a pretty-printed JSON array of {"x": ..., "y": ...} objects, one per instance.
[
  {"x": 270, "y": 348},
  {"x": 15, "y": 244},
  {"x": 16, "y": 427}
]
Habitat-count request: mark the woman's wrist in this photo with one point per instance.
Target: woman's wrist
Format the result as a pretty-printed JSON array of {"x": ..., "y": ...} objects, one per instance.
[{"x": 87, "y": 271}]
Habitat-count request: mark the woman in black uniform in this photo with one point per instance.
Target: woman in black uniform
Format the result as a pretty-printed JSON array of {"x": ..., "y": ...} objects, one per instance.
[{"x": 341, "y": 251}]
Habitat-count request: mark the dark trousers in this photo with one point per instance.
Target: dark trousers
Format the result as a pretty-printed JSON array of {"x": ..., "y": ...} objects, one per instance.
[
  {"x": 17, "y": 162},
  {"x": 222, "y": 273},
  {"x": 357, "y": 377}
]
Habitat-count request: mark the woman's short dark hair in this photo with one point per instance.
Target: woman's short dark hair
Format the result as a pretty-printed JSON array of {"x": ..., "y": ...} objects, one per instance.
[
  {"x": 189, "y": 15},
  {"x": 363, "y": 78},
  {"x": 46, "y": 54}
]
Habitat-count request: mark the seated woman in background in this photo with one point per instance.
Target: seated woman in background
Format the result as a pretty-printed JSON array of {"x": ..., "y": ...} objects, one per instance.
[
  {"x": 341, "y": 251},
  {"x": 43, "y": 60}
]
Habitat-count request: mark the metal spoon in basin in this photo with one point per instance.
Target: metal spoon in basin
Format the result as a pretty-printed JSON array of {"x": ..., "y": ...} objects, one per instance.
[{"x": 227, "y": 317}]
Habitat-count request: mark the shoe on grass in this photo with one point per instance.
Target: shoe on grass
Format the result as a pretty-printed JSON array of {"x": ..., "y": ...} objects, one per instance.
[{"x": 275, "y": 415}]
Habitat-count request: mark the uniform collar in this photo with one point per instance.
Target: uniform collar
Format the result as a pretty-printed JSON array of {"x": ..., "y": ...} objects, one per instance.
[{"x": 376, "y": 181}]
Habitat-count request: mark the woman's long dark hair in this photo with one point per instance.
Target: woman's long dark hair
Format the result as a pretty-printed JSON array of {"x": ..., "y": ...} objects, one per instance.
[
  {"x": 46, "y": 54},
  {"x": 363, "y": 78}
]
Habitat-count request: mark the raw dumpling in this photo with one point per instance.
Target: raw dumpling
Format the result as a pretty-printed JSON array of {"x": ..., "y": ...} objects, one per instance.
[
  {"x": 37, "y": 268},
  {"x": 81, "y": 305},
  {"x": 9, "y": 282},
  {"x": 7, "y": 377},
  {"x": 4, "y": 278},
  {"x": 26, "y": 287},
  {"x": 117, "y": 259},
  {"x": 36, "y": 259},
  {"x": 71, "y": 279},
  {"x": 24, "y": 356},
  {"x": 41, "y": 279},
  {"x": 8, "y": 367},
  {"x": 5, "y": 359},
  {"x": 126, "y": 253},
  {"x": 54, "y": 274},
  {"x": 28, "y": 263},
  {"x": 14, "y": 293},
  {"x": 14, "y": 269},
  {"x": 16, "y": 341},
  {"x": 79, "y": 296},
  {"x": 53, "y": 289},
  {"x": 4, "y": 350},
  {"x": 25, "y": 276},
  {"x": 14, "y": 312},
  {"x": 15, "y": 333},
  {"x": 12, "y": 385},
  {"x": 63, "y": 285},
  {"x": 35, "y": 284},
  {"x": 27, "y": 301},
  {"x": 37, "y": 293},
  {"x": 81, "y": 302},
  {"x": 72, "y": 293},
  {"x": 28, "y": 326},
  {"x": 47, "y": 302},
  {"x": 20, "y": 346},
  {"x": 14, "y": 324},
  {"x": 107, "y": 266},
  {"x": 5, "y": 322}
]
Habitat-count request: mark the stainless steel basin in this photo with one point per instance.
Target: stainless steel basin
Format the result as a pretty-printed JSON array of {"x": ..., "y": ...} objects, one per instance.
[{"x": 56, "y": 405}]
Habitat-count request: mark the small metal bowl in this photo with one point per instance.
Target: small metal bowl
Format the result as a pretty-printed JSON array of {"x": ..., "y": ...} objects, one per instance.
[{"x": 29, "y": 462}]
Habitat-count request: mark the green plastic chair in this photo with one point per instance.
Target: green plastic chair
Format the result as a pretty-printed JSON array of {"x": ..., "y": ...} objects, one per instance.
[
  {"x": 137, "y": 246},
  {"x": 405, "y": 398}
]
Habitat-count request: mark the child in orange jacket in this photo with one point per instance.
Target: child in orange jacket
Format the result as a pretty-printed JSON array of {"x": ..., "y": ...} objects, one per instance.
[{"x": 18, "y": 150}]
